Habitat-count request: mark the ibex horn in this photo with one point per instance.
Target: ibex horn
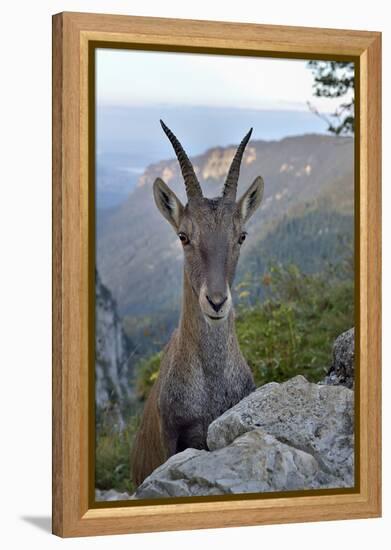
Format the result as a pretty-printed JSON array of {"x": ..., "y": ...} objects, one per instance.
[
  {"x": 193, "y": 188},
  {"x": 231, "y": 183}
]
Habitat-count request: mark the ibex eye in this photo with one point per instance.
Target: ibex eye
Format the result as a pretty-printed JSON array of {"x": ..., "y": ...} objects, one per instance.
[
  {"x": 242, "y": 237},
  {"x": 183, "y": 238}
]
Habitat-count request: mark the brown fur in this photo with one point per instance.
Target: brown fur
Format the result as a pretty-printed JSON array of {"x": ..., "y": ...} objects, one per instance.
[
  {"x": 203, "y": 372},
  {"x": 148, "y": 451}
]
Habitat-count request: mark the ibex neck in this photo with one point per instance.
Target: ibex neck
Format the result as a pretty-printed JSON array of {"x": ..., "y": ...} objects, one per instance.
[{"x": 197, "y": 336}]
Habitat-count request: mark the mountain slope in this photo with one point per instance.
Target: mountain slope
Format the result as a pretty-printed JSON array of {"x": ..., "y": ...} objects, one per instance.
[{"x": 139, "y": 255}]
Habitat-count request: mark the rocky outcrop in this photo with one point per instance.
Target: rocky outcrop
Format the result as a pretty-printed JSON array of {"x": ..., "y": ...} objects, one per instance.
[
  {"x": 255, "y": 462},
  {"x": 290, "y": 436},
  {"x": 113, "y": 370},
  {"x": 342, "y": 368},
  {"x": 316, "y": 419}
]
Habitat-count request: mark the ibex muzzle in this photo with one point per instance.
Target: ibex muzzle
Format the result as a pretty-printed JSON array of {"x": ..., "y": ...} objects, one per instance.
[{"x": 203, "y": 372}]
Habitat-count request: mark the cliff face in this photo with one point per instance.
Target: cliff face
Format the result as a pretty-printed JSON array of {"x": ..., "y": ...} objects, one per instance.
[{"x": 113, "y": 369}]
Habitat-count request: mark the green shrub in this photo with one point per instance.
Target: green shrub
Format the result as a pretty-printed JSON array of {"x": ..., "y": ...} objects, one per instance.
[
  {"x": 112, "y": 457},
  {"x": 293, "y": 330},
  {"x": 147, "y": 371}
]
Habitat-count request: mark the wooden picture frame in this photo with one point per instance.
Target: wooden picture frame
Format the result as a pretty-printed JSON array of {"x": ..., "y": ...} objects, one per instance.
[{"x": 74, "y": 36}]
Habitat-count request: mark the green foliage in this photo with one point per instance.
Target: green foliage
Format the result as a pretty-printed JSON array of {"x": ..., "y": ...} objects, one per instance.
[
  {"x": 293, "y": 330},
  {"x": 113, "y": 445},
  {"x": 113, "y": 450},
  {"x": 147, "y": 371},
  {"x": 335, "y": 79}
]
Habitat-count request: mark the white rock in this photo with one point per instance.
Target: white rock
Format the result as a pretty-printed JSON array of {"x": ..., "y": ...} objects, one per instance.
[
  {"x": 313, "y": 418},
  {"x": 254, "y": 463}
]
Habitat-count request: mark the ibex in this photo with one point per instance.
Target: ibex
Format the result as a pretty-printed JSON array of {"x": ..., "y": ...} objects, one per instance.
[{"x": 203, "y": 372}]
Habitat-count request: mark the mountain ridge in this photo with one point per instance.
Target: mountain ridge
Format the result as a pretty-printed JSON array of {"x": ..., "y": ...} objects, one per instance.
[{"x": 138, "y": 253}]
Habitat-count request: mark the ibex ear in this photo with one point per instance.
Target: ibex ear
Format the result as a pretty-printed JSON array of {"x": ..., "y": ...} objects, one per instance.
[
  {"x": 168, "y": 203},
  {"x": 251, "y": 199}
]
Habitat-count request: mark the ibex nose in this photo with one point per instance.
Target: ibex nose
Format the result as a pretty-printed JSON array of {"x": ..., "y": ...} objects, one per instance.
[{"x": 216, "y": 302}]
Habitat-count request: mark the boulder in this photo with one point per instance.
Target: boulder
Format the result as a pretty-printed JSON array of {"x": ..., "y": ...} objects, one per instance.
[
  {"x": 309, "y": 417},
  {"x": 342, "y": 369},
  {"x": 254, "y": 463},
  {"x": 290, "y": 436}
]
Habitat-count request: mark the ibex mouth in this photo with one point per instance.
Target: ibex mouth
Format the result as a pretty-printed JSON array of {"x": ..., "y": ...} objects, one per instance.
[{"x": 215, "y": 318}]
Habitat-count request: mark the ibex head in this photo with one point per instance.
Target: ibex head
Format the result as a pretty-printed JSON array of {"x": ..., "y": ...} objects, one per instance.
[{"x": 211, "y": 230}]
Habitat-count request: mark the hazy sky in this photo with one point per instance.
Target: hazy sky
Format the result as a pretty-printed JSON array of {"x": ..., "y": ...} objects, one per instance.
[{"x": 129, "y": 77}]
